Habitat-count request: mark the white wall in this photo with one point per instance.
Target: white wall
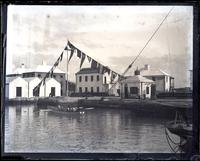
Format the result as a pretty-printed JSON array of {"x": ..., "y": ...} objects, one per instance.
[
  {"x": 52, "y": 83},
  {"x": 90, "y": 83},
  {"x": 32, "y": 84},
  {"x": 18, "y": 82}
]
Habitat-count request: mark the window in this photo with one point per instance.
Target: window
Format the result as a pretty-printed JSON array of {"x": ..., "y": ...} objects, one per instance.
[
  {"x": 86, "y": 89},
  {"x": 147, "y": 90},
  {"x": 97, "y": 89},
  {"x": 133, "y": 90},
  {"x": 61, "y": 76},
  {"x": 91, "y": 78},
  {"x": 97, "y": 77},
  {"x": 91, "y": 89},
  {"x": 80, "y": 78},
  {"x": 153, "y": 78},
  {"x": 105, "y": 80},
  {"x": 18, "y": 91},
  {"x": 80, "y": 90},
  {"x": 86, "y": 78},
  {"x": 39, "y": 75}
]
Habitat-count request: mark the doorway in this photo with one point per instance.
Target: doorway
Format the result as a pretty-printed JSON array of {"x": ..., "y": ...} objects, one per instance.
[
  {"x": 125, "y": 91},
  {"x": 18, "y": 91},
  {"x": 53, "y": 91}
]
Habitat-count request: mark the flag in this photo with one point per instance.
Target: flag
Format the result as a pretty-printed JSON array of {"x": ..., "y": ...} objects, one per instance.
[
  {"x": 89, "y": 58},
  {"x": 66, "y": 48},
  {"x": 82, "y": 59},
  {"x": 71, "y": 45},
  {"x": 56, "y": 63},
  {"x": 78, "y": 53},
  {"x": 61, "y": 56},
  {"x": 106, "y": 69},
  {"x": 71, "y": 54},
  {"x": 93, "y": 64},
  {"x": 51, "y": 73},
  {"x": 47, "y": 75},
  {"x": 44, "y": 81}
]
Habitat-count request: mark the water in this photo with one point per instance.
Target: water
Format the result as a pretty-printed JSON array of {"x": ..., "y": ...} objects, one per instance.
[{"x": 98, "y": 130}]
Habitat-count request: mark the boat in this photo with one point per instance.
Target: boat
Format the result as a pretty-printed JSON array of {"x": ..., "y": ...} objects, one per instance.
[
  {"x": 65, "y": 109},
  {"x": 179, "y": 128},
  {"x": 183, "y": 129}
]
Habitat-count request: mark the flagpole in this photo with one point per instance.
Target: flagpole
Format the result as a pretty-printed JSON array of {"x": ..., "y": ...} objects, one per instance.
[{"x": 67, "y": 74}]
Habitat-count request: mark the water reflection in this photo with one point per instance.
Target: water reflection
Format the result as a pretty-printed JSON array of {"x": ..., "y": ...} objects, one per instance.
[{"x": 101, "y": 130}]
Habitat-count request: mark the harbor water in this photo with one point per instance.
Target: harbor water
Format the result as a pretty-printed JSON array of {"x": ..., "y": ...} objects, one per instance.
[{"x": 29, "y": 129}]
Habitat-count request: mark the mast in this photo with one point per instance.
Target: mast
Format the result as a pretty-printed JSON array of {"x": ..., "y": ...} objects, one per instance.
[{"x": 67, "y": 75}]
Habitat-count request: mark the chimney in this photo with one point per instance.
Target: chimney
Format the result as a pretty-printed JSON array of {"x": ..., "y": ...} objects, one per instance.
[
  {"x": 137, "y": 72},
  {"x": 147, "y": 67}
]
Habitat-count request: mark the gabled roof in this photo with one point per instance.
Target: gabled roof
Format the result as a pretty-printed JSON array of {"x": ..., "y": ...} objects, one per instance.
[
  {"x": 88, "y": 71},
  {"x": 153, "y": 72},
  {"x": 10, "y": 79},
  {"x": 39, "y": 69},
  {"x": 30, "y": 79},
  {"x": 136, "y": 79}
]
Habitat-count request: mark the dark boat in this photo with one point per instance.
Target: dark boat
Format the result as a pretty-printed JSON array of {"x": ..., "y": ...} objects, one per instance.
[{"x": 179, "y": 128}]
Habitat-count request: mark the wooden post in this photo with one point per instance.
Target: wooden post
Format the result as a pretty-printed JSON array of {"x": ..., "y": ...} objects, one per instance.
[{"x": 67, "y": 75}]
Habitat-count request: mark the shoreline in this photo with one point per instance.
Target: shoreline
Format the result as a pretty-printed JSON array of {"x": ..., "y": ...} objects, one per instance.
[{"x": 153, "y": 108}]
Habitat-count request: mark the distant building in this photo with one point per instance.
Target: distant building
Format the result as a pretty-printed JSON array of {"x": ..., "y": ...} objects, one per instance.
[
  {"x": 137, "y": 86},
  {"x": 163, "y": 81},
  {"x": 91, "y": 81},
  {"x": 40, "y": 71}
]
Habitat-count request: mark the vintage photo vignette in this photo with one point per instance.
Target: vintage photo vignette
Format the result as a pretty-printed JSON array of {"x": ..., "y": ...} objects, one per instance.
[{"x": 131, "y": 156}]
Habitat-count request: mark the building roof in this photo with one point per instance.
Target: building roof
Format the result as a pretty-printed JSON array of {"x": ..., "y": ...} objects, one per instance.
[
  {"x": 136, "y": 79},
  {"x": 30, "y": 79},
  {"x": 153, "y": 72},
  {"x": 10, "y": 79},
  {"x": 88, "y": 71},
  {"x": 40, "y": 69}
]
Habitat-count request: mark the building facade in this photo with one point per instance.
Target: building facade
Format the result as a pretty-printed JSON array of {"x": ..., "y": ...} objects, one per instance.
[
  {"x": 91, "y": 81},
  {"x": 16, "y": 87},
  {"x": 137, "y": 86},
  {"x": 40, "y": 71},
  {"x": 163, "y": 81},
  {"x": 23, "y": 87}
]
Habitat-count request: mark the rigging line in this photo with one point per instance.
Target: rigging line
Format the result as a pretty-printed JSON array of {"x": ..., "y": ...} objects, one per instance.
[
  {"x": 144, "y": 46},
  {"x": 148, "y": 41}
]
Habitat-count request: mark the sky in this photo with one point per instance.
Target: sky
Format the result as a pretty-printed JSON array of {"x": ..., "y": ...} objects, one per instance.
[{"x": 113, "y": 35}]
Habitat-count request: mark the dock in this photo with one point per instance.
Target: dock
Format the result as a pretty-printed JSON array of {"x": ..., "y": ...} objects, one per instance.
[{"x": 143, "y": 107}]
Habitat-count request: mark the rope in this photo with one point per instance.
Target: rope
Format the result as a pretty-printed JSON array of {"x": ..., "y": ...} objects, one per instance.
[{"x": 145, "y": 44}]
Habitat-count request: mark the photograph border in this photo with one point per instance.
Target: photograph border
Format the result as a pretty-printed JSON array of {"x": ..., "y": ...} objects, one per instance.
[{"x": 104, "y": 156}]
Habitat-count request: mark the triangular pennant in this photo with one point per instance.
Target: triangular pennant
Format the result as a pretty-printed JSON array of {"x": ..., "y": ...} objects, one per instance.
[
  {"x": 82, "y": 59},
  {"x": 66, "y": 48},
  {"x": 71, "y": 54},
  {"x": 44, "y": 81},
  {"x": 78, "y": 53},
  {"x": 93, "y": 64},
  {"x": 61, "y": 56},
  {"x": 89, "y": 58}
]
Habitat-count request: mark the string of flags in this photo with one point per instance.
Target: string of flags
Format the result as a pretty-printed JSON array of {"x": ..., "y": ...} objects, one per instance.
[
  {"x": 94, "y": 64},
  {"x": 81, "y": 55},
  {"x": 36, "y": 90}
]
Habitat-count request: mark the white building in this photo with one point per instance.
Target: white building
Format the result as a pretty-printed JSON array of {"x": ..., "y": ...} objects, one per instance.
[
  {"x": 16, "y": 87},
  {"x": 163, "y": 81},
  {"x": 23, "y": 87},
  {"x": 40, "y": 71},
  {"x": 137, "y": 86},
  {"x": 51, "y": 86},
  {"x": 91, "y": 81}
]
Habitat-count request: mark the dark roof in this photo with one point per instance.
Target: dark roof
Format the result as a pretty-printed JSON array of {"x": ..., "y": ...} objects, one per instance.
[{"x": 88, "y": 71}]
